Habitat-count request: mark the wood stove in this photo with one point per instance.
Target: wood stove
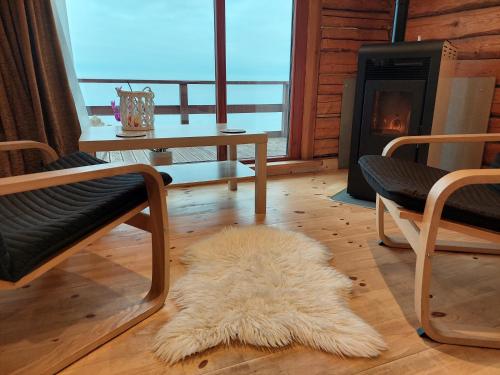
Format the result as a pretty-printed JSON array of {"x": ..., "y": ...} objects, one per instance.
[{"x": 400, "y": 90}]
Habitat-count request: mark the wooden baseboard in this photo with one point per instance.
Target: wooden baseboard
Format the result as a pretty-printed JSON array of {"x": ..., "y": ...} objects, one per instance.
[{"x": 301, "y": 166}]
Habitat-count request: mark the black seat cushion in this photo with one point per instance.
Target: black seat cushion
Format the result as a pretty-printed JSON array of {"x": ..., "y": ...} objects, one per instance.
[
  {"x": 496, "y": 164},
  {"x": 38, "y": 224},
  {"x": 408, "y": 184}
]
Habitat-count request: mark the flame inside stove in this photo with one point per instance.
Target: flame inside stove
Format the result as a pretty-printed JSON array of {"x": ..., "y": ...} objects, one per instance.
[{"x": 391, "y": 112}]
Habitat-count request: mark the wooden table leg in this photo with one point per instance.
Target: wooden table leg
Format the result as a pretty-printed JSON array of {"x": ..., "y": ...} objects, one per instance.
[
  {"x": 233, "y": 155},
  {"x": 260, "y": 177}
]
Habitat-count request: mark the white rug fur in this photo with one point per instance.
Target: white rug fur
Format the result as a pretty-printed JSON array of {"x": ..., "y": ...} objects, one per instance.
[{"x": 264, "y": 287}]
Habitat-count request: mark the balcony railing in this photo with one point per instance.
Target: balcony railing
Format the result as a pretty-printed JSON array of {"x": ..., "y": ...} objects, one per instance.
[{"x": 184, "y": 109}]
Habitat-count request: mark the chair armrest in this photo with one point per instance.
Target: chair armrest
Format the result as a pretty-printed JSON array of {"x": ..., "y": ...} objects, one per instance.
[
  {"x": 48, "y": 152},
  {"x": 447, "y": 185},
  {"x": 453, "y": 181},
  {"x": 35, "y": 181},
  {"x": 445, "y": 138}
]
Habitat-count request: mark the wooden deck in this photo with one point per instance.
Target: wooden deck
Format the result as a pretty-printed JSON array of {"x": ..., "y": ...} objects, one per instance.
[
  {"x": 276, "y": 147},
  {"x": 115, "y": 271}
]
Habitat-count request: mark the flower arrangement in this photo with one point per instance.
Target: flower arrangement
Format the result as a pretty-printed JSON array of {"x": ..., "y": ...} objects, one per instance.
[{"x": 136, "y": 109}]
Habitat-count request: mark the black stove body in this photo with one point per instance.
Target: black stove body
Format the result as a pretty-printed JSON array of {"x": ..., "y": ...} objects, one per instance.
[{"x": 396, "y": 92}]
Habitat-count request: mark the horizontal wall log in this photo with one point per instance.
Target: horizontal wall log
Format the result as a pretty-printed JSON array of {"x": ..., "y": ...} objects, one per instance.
[
  {"x": 330, "y": 89},
  {"x": 479, "y": 68},
  {"x": 455, "y": 25},
  {"x": 338, "y": 68},
  {"x": 494, "y": 125},
  {"x": 327, "y": 127},
  {"x": 361, "y": 5},
  {"x": 495, "y": 109},
  {"x": 496, "y": 96},
  {"x": 329, "y": 98},
  {"x": 343, "y": 58},
  {"x": 479, "y": 47},
  {"x": 339, "y": 33},
  {"x": 495, "y": 106},
  {"x": 490, "y": 152},
  {"x": 329, "y": 104},
  {"x": 335, "y": 78},
  {"x": 336, "y": 45},
  {"x": 323, "y": 147},
  {"x": 359, "y": 23},
  {"x": 357, "y": 14},
  {"x": 421, "y": 8}
]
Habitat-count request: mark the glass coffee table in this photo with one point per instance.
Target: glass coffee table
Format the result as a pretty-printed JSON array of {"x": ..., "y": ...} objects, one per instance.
[{"x": 103, "y": 138}]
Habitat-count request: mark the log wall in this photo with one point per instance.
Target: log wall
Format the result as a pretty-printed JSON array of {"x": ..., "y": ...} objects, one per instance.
[
  {"x": 345, "y": 26},
  {"x": 473, "y": 26}
]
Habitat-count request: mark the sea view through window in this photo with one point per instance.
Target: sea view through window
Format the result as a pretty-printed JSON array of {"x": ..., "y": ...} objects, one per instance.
[{"x": 173, "y": 40}]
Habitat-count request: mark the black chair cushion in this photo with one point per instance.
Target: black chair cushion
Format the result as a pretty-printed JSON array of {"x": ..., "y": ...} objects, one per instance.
[
  {"x": 496, "y": 164},
  {"x": 408, "y": 184},
  {"x": 36, "y": 225}
]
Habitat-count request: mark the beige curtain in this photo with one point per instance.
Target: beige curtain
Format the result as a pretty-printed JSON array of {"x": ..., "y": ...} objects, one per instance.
[{"x": 35, "y": 98}]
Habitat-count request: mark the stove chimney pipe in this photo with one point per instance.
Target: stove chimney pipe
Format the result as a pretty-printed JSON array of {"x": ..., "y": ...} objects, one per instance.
[{"x": 400, "y": 17}]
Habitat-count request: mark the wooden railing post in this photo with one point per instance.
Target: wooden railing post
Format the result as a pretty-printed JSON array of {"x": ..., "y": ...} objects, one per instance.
[
  {"x": 183, "y": 101},
  {"x": 285, "y": 109}
]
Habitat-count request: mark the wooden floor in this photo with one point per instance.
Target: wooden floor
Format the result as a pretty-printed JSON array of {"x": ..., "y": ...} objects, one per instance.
[
  {"x": 276, "y": 147},
  {"x": 115, "y": 271}
]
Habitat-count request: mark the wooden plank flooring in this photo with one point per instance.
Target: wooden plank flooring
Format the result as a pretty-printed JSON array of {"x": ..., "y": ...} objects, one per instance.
[
  {"x": 115, "y": 270},
  {"x": 276, "y": 147}
]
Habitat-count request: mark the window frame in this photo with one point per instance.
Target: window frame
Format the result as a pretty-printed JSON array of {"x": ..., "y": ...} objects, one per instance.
[{"x": 297, "y": 77}]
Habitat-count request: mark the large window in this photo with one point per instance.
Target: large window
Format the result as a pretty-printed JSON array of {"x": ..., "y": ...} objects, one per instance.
[
  {"x": 258, "y": 35},
  {"x": 169, "y": 46}
]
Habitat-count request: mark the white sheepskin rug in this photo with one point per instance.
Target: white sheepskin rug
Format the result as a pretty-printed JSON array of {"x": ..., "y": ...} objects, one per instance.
[{"x": 264, "y": 287}]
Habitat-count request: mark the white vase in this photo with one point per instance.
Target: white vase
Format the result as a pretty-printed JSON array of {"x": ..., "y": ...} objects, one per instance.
[{"x": 160, "y": 157}]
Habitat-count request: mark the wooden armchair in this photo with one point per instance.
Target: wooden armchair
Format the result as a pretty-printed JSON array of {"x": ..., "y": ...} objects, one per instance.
[
  {"x": 421, "y": 200},
  {"x": 48, "y": 216}
]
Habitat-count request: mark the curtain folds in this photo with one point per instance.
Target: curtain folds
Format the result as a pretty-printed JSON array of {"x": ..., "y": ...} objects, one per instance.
[{"x": 35, "y": 98}]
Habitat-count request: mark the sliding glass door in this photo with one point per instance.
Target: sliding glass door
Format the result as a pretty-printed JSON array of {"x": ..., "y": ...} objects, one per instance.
[
  {"x": 170, "y": 47},
  {"x": 258, "y": 44}
]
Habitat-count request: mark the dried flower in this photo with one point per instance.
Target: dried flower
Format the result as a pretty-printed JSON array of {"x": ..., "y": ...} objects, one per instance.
[{"x": 116, "y": 110}]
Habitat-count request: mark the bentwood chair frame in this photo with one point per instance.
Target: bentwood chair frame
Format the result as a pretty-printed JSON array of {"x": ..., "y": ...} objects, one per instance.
[
  {"x": 155, "y": 223},
  {"x": 421, "y": 231}
]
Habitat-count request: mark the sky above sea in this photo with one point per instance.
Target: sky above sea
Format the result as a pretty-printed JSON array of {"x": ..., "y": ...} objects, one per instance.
[{"x": 174, "y": 40}]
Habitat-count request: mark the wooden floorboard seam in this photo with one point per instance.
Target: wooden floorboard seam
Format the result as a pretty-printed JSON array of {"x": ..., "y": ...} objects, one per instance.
[
  {"x": 237, "y": 365},
  {"x": 403, "y": 358}
]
